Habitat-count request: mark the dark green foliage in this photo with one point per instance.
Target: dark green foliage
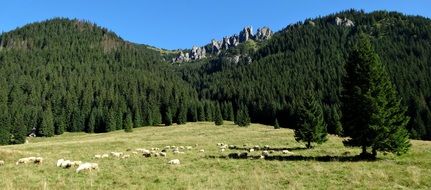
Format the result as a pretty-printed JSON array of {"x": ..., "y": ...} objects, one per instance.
[
  {"x": 209, "y": 111},
  {"x": 112, "y": 121},
  {"x": 372, "y": 114},
  {"x": 128, "y": 124},
  {"x": 311, "y": 126},
  {"x": 242, "y": 117},
  {"x": 218, "y": 118},
  {"x": 46, "y": 128},
  {"x": 276, "y": 124},
  {"x": 18, "y": 129},
  {"x": 201, "y": 113},
  {"x": 167, "y": 117}
]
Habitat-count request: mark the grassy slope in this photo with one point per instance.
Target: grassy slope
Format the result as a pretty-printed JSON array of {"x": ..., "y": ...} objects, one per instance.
[{"x": 198, "y": 171}]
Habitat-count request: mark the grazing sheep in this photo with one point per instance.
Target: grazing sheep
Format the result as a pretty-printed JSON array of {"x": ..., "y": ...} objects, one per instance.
[
  {"x": 1, "y": 162},
  {"x": 257, "y": 147},
  {"x": 251, "y": 150},
  {"x": 97, "y": 156},
  {"x": 146, "y": 154},
  {"x": 38, "y": 160},
  {"x": 76, "y": 163},
  {"x": 134, "y": 152},
  {"x": 174, "y": 162},
  {"x": 219, "y": 144},
  {"x": 146, "y": 151},
  {"x": 232, "y": 146},
  {"x": 117, "y": 154},
  {"x": 59, "y": 162},
  {"x": 224, "y": 146},
  {"x": 189, "y": 147},
  {"x": 222, "y": 150},
  {"x": 23, "y": 161},
  {"x": 178, "y": 152},
  {"x": 287, "y": 152},
  {"x": 262, "y": 157},
  {"x": 265, "y": 153},
  {"x": 162, "y": 154},
  {"x": 105, "y": 155},
  {"x": 201, "y": 150},
  {"x": 157, "y": 149},
  {"x": 182, "y": 147},
  {"x": 125, "y": 156},
  {"x": 66, "y": 164},
  {"x": 266, "y": 147},
  {"x": 87, "y": 166}
]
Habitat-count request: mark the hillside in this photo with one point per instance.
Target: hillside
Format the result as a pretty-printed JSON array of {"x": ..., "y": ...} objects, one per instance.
[
  {"x": 311, "y": 55},
  {"x": 68, "y": 75},
  {"x": 208, "y": 170},
  {"x": 64, "y": 75}
]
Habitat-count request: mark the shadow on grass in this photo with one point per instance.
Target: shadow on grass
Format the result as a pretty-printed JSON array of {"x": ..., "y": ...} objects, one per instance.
[
  {"x": 244, "y": 155},
  {"x": 269, "y": 149}
]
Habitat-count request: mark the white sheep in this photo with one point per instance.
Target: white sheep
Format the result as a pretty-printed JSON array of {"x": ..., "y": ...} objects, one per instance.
[
  {"x": 265, "y": 153},
  {"x": 66, "y": 164},
  {"x": 97, "y": 156},
  {"x": 59, "y": 162},
  {"x": 201, "y": 150},
  {"x": 251, "y": 150},
  {"x": 105, "y": 155},
  {"x": 125, "y": 156},
  {"x": 87, "y": 166},
  {"x": 23, "y": 161},
  {"x": 174, "y": 162},
  {"x": 287, "y": 152},
  {"x": 189, "y": 147},
  {"x": 134, "y": 152},
  {"x": 162, "y": 154},
  {"x": 1, "y": 162},
  {"x": 117, "y": 154},
  {"x": 222, "y": 149},
  {"x": 182, "y": 147},
  {"x": 76, "y": 163}
]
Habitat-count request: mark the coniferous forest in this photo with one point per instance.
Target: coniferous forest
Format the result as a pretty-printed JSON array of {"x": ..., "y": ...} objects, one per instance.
[{"x": 69, "y": 75}]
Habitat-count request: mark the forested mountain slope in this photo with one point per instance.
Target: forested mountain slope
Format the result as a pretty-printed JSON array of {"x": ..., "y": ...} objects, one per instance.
[
  {"x": 69, "y": 75},
  {"x": 311, "y": 55}
]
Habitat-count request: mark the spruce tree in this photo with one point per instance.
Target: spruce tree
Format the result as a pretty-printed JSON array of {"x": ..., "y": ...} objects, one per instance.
[
  {"x": 312, "y": 126},
  {"x": 276, "y": 125},
  {"x": 128, "y": 124},
  {"x": 218, "y": 118},
  {"x": 372, "y": 115},
  {"x": 46, "y": 128},
  {"x": 167, "y": 118},
  {"x": 111, "y": 121},
  {"x": 242, "y": 117},
  {"x": 201, "y": 112}
]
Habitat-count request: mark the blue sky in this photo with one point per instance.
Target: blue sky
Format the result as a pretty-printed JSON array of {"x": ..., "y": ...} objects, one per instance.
[{"x": 173, "y": 24}]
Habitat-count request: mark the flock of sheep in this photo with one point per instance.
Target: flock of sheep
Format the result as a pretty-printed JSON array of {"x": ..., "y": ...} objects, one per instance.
[
  {"x": 153, "y": 152},
  {"x": 89, "y": 166}
]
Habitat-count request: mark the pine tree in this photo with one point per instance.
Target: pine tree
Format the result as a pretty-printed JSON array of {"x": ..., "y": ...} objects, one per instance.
[
  {"x": 312, "y": 126},
  {"x": 372, "y": 115},
  {"x": 182, "y": 114},
  {"x": 167, "y": 118},
  {"x": 128, "y": 124},
  {"x": 112, "y": 121},
  {"x": 19, "y": 130},
  {"x": 242, "y": 117},
  {"x": 46, "y": 128},
  {"x": 218, "y": 118},
  {"x": 201, "y": 112},
  {"x": 276, "y": 125},
  {"x": 137, "y": 119},
  {"x": 208, "y": 111},
  {"x": 91, "y": 125}
]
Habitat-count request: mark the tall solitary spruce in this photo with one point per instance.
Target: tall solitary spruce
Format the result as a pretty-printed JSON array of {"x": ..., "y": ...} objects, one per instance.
[
  {"x": 312, "y": 126},
  {"x": 372, "y": 113}
]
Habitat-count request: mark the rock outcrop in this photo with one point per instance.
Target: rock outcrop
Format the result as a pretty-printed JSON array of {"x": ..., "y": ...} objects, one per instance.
[
  {"x": 216, "y": 47},
  {"x": 263, "y": 33},
  {"x": 246, "y": 34},
  {"x": 344, "y": 22}
]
